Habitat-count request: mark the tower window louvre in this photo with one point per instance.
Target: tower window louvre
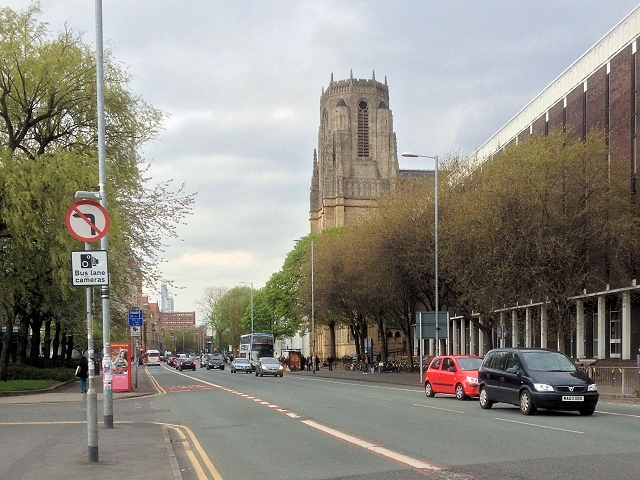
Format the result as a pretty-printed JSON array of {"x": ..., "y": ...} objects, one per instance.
[{"x": 363, "y": 129}]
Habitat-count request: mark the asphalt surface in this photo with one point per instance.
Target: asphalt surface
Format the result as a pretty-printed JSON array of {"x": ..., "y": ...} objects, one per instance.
[{"x": 153, "y": 458}]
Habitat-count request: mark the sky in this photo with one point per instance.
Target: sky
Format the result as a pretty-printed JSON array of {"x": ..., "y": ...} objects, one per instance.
[{"x": 241, "y": 82}]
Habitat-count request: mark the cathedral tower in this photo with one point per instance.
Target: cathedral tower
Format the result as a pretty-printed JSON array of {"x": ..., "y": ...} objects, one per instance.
[{"x": 356, "y": 161}]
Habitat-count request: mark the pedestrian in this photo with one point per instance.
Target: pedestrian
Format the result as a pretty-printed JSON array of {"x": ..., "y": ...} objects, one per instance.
[
  {"x": 317, "y": 363},
  {"x": 82, "y": 372},
  {"x": 365, "y": 365},
  {"x": 330, "y": 362},
  {"x": 309, "y": 363}
]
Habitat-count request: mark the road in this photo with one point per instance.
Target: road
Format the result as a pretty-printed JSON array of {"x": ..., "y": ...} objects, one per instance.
[{"x": 304, "y": 427}]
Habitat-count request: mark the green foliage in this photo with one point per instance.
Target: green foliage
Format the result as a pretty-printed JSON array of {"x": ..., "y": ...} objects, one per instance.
[{"x": 26, "y": 372}]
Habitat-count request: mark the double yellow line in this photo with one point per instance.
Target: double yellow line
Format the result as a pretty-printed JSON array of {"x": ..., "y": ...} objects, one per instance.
[{"x": 198, "y": 468}]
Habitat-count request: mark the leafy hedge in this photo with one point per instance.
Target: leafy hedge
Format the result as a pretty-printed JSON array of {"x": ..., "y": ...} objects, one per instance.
[{"x": 27, "y": 372}]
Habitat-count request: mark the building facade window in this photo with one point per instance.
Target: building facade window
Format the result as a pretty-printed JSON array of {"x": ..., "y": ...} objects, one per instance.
[{"x": 363, "y": 129}]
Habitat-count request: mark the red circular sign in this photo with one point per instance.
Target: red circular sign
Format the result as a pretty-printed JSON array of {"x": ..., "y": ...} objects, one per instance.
[{"x": 87, "y": 221}]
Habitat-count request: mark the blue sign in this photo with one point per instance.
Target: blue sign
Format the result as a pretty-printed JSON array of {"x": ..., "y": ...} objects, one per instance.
[{"x": 135, "y": 318}]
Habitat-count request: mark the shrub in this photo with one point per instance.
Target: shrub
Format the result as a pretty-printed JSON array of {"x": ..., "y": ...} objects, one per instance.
[{"x": 27, "y": 372}]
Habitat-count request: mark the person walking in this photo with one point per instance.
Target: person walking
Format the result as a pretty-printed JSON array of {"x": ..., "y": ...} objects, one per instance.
[
  {"x": 330, "y": 362},
  {"x": 365, "y": 365},
  {"x": 82, "y": 372},
  {"x": 317, "y": 363},
  {"x": 309, "y": 363}
]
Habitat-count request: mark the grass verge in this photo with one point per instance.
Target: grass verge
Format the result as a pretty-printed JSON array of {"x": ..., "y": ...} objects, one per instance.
[{"x": 21, "y": 385}]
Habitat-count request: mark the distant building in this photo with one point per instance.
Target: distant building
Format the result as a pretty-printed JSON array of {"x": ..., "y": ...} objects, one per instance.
[{"x": 166, "y": 300}]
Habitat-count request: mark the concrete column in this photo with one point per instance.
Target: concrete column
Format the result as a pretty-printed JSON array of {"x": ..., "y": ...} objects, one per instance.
[
  {"x": 481, "y": 345},
  {"x": 514, "y": 328},
  {"x": 579, "y": 328},
  {"x": 463, "y": 336},
  {"x": 544, "y": 328},
  {"x": 472, "y": 338},
  {"x": 626, "y": 325},
  {"x": 602, "y": 328},
  {"x": 528, "y": 334},
  {"x": 454, "y": 326}
]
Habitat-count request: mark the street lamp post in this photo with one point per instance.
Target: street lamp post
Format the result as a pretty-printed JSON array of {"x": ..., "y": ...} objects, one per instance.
[
  {"x": 313, "y": 321},
  {"x": 251, "y": 284},
  {"x": 435, "y": 252}
]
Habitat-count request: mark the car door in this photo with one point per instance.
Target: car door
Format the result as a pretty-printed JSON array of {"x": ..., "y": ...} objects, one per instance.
[
  {"x": 512, "y": 379},
  {"x": 448, "y": 375},
  {"x": 433, "y": 374},
  {"x": 493, "y": 375}
]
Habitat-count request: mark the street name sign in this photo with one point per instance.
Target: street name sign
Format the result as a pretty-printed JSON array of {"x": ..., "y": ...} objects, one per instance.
[
  {"x": 89, "y": 268},
  {"x": 87, "y": 221}
]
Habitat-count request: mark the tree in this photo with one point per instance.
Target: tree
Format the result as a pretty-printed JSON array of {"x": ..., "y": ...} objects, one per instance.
[{"x": 48, "y": 138}]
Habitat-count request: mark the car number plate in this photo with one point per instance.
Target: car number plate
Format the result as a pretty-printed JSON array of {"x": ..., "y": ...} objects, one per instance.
[{"x": 572, "y": 398}]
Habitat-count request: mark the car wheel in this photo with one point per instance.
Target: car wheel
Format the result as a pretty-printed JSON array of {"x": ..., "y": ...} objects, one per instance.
[
  {"x": 526, "y": 404},
  {"x": 281, "y": 375},
  {"x": 587, "y": 411},
  {"x": 484, "y": 399},
  {"x": 460, "y": 395},
  {"x": 428, "y": 389}
]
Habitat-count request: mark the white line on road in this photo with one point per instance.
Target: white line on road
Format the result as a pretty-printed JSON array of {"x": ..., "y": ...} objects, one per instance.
[
  {"x": 385, "y": 452},
  {"x": 536, "y": 425},
  {"x": 438, "y": 408}
]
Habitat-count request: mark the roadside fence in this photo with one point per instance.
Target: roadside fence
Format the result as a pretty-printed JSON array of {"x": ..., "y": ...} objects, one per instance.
[{"x": 616, "y": 381}]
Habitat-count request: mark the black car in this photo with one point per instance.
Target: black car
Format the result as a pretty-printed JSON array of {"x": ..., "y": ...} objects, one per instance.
[
  {"x": 185, "y": 362},
  {"x": 214, "y": 360},
  {"x": 535, "y": 378}
]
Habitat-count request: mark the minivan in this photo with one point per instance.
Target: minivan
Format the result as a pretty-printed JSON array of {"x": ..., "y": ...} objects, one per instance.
[{"x": 535, "y": 378}]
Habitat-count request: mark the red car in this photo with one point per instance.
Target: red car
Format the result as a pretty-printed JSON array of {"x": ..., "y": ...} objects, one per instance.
[{"x": 454, "y": 374}]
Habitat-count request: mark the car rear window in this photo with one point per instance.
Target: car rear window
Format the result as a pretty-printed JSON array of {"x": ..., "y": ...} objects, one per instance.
[{"x": 469, "y": 363}]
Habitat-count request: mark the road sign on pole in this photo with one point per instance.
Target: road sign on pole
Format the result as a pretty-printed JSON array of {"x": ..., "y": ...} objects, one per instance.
[
  {"x": 89, "y": 268},
  {"x": 87, "y": 221},
  {"x": 135, "y": 318}
]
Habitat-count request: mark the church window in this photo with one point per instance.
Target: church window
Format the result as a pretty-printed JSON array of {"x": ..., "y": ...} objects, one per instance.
[{"x": 363, "y": 129}]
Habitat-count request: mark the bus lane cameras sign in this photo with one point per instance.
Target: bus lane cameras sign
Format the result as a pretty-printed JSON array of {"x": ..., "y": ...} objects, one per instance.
[{"x": 89, "y": 268}]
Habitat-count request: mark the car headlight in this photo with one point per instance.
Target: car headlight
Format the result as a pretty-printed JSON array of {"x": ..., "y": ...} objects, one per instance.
[
  {"x": 543, "y": 387},
  {"x": 592, "y": 388},
  {"x": 472, "y": 380}
]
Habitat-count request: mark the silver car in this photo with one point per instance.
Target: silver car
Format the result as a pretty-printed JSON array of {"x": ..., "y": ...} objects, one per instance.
[
  {"x": 269, "y": 366},
  {"x": 241, "y": 365}
]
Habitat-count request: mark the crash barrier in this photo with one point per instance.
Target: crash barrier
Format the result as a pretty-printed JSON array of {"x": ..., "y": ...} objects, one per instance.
[{"x": 616, "y": 381}]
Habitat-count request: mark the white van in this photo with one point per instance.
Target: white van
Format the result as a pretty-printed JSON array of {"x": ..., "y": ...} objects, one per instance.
[{"x": 152, "y": 357}]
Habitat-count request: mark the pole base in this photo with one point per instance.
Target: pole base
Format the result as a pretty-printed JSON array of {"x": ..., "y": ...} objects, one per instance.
[
  {"x": 93, "y": 453},
  {"x": 107, "y": 420}
]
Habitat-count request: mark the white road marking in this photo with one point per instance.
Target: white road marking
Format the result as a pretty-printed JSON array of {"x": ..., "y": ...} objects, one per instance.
[
  {"x": 536, "y": 425},
  {"x": 438, "y": 408}
]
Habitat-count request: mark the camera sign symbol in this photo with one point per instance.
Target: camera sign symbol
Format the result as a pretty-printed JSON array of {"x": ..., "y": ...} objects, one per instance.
[{"x": 87, "y": 221}]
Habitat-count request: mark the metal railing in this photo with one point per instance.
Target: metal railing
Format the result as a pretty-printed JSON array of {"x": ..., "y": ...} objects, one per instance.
[{"x": 615, "y": 381}]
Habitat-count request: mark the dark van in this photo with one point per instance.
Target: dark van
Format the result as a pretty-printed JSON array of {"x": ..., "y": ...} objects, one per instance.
[{"x": 535, "y": 378}]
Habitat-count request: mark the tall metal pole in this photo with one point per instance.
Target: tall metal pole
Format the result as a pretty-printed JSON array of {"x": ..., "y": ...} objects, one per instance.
[
  {"x": 251, "y": 307},
  {"x": 92, "y": 396},
  {"x": 435, "y": 237},
  {"x": 313, "y": 319},
  {"x": 107, "y": 393}
]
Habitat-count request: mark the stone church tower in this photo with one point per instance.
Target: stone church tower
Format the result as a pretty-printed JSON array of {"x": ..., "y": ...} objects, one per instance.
[{"x": 356, "y": 161}]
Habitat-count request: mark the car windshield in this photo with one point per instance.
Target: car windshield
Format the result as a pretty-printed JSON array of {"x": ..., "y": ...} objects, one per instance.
[
  {"x": 269, "y": 360},
  {"x": 241, "y": 360},
  {"x": 548, "y": 362},
  {"x": 469, "y": 363}
]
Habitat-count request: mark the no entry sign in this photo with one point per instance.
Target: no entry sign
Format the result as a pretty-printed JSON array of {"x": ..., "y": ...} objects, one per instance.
[{"x": 87, "y": 221}]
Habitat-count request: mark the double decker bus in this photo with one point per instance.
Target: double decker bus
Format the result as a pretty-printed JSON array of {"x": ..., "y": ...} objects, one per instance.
[{"x": 254, "y": 346}]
